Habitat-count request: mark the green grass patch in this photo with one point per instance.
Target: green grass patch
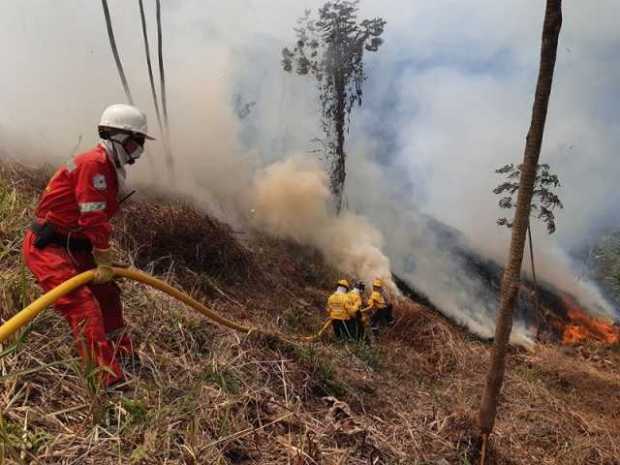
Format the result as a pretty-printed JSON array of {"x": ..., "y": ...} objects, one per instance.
[
  {"x": 136, "y": 411},
  {"x": 224, "y": 378},
  {"x": 529, "y": 373},
  {"x": 15, "y": 440},
  {"x": 323, "y": 372},
  {"x": 368, "y": 354}
]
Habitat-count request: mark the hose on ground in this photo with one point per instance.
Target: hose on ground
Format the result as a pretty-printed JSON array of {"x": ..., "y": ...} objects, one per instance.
[{"x": 31, "y": 311}]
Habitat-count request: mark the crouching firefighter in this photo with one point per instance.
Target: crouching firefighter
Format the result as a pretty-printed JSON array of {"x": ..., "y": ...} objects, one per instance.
[
  {"x": 341, "y": 312},
  {"x": 71, "y": 234}
]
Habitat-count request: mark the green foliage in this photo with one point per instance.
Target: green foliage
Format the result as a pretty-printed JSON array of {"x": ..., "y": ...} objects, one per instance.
[
  {"x": 331, "y": 48},
  {"x": 17, "y": 443},
  {"x": 136, "y": 411},
  {"x": 139, "y": 454},
  {"x": 224, "y": 378},
  {"x": 327, "y": 382},
  {"x": 368, "y": 354},
  {"x": 19, "y": 340},
  {"x": 306, "y": 354},
  {"x": 295, "y": 319},
  {"x": 323, "y": 374},
  {"x": 544, "y": 200},
  {"x": 119, "y": 415},
  {"x": 529, "y": 373}
]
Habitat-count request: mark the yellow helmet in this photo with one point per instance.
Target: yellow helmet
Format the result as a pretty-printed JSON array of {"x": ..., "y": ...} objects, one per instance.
[
  {"x": 377, "y": 283},
  {"x": 344, "y": 283}
]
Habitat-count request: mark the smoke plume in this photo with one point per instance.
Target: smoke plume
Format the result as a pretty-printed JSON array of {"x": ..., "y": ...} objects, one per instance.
[{"x": 292, "y": 201}]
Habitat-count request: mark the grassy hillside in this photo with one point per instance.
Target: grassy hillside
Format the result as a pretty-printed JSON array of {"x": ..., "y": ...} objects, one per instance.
[{"x": 206, "y": 395}]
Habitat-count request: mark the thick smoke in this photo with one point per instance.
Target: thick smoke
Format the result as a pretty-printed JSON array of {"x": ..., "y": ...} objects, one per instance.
[
  {"x": 292, "y": 201},
  {"x": 456, "y": 158},
  {"x": 213, "y": 165}
]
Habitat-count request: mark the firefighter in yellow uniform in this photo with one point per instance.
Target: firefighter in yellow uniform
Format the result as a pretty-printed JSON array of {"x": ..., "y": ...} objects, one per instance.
[
  {"x": 341, "y": 312},
  {"x": 379, "y": 307},
  {"x": 356, "y": 310}
]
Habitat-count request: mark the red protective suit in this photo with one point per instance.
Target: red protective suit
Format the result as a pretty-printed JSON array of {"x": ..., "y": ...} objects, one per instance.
[{"x": 79, "y": 200}]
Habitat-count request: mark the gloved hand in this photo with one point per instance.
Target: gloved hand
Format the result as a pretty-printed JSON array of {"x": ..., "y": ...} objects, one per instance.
[{"x": 104, "y": 259}]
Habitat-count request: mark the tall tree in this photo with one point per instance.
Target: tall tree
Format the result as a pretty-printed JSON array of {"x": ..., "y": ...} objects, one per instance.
[
  {"x": 511, "y": 277},
  {"x": 117, "y": 59},
  {"x": 163, "y": 125},
  {"x": 160, "y": 54},
  {"x": 149, "y": 66},
  {"x": 331, "y": 48}
]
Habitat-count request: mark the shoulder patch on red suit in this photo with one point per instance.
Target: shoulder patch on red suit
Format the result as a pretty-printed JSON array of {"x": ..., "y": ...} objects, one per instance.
[{"x": 99, "y": 182}]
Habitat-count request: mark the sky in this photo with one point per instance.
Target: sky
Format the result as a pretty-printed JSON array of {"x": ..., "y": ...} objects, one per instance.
[{"x": 447, "y": 101}]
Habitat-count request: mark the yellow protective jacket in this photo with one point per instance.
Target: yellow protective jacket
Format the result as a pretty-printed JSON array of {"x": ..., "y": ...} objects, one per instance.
[
  {"x": 338, "y": 306},
  {"x": 376, "y": 301},
  {"x": 356, "y": 306},
  {"x": 355, "y": 302}
]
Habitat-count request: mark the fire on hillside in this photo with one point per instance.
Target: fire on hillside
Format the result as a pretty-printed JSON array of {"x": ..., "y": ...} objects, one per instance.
[
  {"x": 551, "y": 315},
  {"x": 557, "y": 317},
  {"x": 583, "y": 327}
]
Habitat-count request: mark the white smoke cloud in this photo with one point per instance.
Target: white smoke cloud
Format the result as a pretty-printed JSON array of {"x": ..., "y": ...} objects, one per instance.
[
  {"x": 292, "y": 200},
  {"x": 458, "y": 155},
  {"x": 213, "y": 165}
]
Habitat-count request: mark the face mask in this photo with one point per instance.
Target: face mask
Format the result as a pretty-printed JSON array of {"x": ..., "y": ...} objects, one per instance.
[
  {"x": 138, "y": 152},
  {"x": 124, "y": 149},
  {"x": 134, "y": 148}
]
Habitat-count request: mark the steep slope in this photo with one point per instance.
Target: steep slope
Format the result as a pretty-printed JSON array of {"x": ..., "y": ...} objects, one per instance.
[{"x": 203, "y": 394}]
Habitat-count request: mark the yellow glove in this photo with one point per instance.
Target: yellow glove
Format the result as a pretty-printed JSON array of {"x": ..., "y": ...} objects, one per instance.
[
  {"x": 104, "y": 259},
  {"x": 352, "y": 311}
]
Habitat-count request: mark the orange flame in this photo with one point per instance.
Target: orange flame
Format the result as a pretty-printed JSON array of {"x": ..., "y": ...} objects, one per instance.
[{"x": 583, "y": 327}]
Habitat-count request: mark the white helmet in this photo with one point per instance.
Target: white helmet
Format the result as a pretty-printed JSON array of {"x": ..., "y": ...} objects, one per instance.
[{"x": 125, "y": 117}]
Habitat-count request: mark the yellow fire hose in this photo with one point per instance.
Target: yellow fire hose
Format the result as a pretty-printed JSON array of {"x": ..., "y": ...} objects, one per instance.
[{"x": 36, "y": 307}]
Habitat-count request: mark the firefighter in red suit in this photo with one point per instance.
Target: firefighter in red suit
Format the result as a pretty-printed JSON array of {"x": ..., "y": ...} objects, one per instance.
[{"x": 71, "y": 234}]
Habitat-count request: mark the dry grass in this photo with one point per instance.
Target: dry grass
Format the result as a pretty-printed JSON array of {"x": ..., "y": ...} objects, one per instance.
[
  {"x": 205, "y": 395},
  {"x": 164, "y": 234}
]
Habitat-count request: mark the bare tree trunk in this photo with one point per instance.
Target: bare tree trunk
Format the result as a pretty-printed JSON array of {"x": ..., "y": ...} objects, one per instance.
[
  {"x": 160, "y": 54},
  {"x": 117, "y": 59},
  {"x": 511, "y": 277},
  {"x": 537, "y": 310},
  {"x": 147, "y": 52},
  {"x": 339, "y": 164},
  {"x": 338, "y": 175},
  {"x": 164, "y": 101}
]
